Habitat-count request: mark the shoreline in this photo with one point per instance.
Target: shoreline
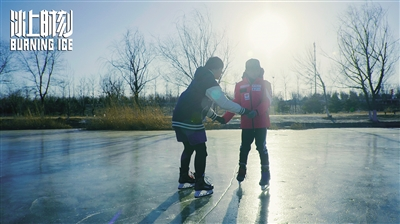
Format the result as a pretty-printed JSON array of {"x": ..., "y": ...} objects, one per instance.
[{"x": 297, "y": 122}]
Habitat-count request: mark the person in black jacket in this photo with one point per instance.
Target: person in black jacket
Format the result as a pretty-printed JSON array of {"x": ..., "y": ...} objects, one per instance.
[{"x": 193, "y": 105}]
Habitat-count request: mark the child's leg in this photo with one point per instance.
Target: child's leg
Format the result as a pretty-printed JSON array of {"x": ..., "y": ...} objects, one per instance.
[
  {"x": 186, "y": 180},
  {"x": 260, "y": 136},
  {"x": 202, "y": 187},
  {"x": 261, "y": 144},
  {"x": 200, "y": 159},
  {"x": 186, "y": 156},
  {"x": 247, "y": 139}
]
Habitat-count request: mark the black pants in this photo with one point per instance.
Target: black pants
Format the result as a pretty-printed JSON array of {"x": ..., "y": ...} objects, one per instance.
[
  {"x": 248, "y": 136},
  {"x": 199, "y": 160}
]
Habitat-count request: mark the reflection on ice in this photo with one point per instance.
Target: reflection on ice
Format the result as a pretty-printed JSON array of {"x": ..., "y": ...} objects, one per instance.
[{"x": 320, "y": 175}]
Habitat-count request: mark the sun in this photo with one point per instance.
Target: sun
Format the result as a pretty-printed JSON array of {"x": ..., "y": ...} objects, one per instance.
[{"x": 267, "y": 32}]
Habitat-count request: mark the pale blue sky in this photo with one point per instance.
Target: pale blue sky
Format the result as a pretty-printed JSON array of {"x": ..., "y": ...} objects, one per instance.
[{"x": 298, "y": 24}]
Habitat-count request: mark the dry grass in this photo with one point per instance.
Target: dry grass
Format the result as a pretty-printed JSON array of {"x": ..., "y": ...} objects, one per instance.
[
  {"x": 152, "y": 118},
  {"x": 115, "y": 118},
  {"x": 25, "y": 123},
  {"x": 126, "y": 118}
]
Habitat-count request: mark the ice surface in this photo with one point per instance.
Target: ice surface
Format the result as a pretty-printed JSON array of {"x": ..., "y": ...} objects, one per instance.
[{"x": 317, "y": 175}]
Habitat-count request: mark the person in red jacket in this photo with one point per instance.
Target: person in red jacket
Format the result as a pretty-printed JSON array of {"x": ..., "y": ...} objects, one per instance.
[{"x": 253, "y": 93}]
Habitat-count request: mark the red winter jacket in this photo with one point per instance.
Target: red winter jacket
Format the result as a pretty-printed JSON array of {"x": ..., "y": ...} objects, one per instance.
[{"x": 253, "y": 96}]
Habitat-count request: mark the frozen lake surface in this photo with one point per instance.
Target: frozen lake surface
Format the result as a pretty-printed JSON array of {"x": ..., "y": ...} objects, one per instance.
[{"x": 318, "y": 176}]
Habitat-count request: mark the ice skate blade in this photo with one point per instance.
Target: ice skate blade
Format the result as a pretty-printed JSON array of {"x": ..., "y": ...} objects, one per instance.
[
  {"x": 264, "y": 187},
  {"x": 185, "y": 186},
  {"x": 202, "y": 193}
]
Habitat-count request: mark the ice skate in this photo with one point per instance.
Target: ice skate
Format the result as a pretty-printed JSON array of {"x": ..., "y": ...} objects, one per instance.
[
  {"x": 186, "y": 180},
  {"x": 265, "y": 177},
  {"x": 264, "y": 187},
  {"x": 241, "y": 174},
  {"x": 202, "y": 187}
]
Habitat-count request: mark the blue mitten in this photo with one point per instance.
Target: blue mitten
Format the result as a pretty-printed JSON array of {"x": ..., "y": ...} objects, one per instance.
[{"x": 252, "y": 114}]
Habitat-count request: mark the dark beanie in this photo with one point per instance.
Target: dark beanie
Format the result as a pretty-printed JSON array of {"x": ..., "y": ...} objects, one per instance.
[
  {"x": 252, "y": 64},
  {"x": 214, "y": 63}
]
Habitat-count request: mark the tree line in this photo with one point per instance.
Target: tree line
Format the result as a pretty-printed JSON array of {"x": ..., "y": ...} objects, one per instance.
[
  {"x": 366, "y": 57},
  {"x": 17, "y": 104}
]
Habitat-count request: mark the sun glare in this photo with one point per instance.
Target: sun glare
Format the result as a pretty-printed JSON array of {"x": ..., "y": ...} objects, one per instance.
[{"x": 267, "y": 32}]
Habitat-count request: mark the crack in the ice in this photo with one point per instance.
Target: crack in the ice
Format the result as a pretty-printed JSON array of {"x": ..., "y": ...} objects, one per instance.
[
  {"x": 223, "y": 194},
  {"x": 88, "y": 217}
]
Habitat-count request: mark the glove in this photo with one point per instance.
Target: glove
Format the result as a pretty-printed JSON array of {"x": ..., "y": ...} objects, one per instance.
[
  {"x": 252, "y": 114},
  {"x": 246, "y": 111},
  {"x": 220, "y": 119}
]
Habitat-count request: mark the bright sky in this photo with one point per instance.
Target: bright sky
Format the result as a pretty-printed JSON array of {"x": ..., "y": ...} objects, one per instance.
[{"x": 271, "y": 31}]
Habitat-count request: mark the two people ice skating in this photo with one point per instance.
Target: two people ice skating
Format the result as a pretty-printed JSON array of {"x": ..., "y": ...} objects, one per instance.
[
  {"x": 193, "y": 105},
  {"x": 253, "y": 93}
]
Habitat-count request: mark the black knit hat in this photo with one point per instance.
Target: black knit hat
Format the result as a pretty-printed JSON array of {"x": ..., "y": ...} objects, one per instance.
[
  {"x": 214, "y": 63},
  {"x": 252, "y": 64}
]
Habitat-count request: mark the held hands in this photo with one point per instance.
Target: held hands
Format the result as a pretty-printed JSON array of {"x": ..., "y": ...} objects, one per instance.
[
  {"x": 252, "y": 114},
  {"x": 220, "y": 119}
]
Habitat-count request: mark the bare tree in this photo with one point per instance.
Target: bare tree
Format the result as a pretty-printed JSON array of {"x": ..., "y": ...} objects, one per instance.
[
  {"x": 41, "y": 66},
  {"x": 92, "y": 88},
  {"x": 112, "y": 86},
  {"x": 83, "y": 93},
  {"x": 285, "y": 80},
  {"x": 306, "y": 67},
  {"x": 64, "y": 85},
  {"x": 367, "y": 51},
  {"x": 132, "y": 58},
  {"x": 195, "y": 43},
  {"x": 6, "y": 57}
]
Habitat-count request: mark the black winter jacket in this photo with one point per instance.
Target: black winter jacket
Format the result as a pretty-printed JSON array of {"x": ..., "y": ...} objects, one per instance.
[{"x": 193, "y": 104}]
